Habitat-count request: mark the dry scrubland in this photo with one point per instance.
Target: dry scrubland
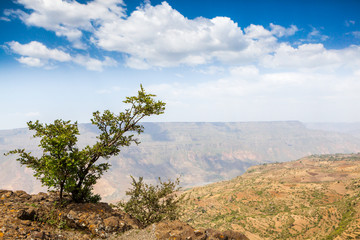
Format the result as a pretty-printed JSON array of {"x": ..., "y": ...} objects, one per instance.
[{"x": 316, "y": 197}]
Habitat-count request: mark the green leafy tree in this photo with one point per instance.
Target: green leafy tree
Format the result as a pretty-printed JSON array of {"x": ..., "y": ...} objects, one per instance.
[
  {"x": 65, "y": 167},
  {"x": 150, "y": 204}
]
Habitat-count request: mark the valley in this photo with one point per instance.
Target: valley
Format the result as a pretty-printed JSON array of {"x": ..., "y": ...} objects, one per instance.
[{"x": 200, "y": 153}]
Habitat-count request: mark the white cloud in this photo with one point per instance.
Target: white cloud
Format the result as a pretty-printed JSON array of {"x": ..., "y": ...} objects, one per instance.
[
  {"x": 32, "y": 62},
  {"x": 5, "y": 19},
  {"x": 94, "y": 64},
  {"x": 280, "y": 31},
  {"x": 211, "y": 70},
  {"x": 315, "y": 35},
  {"x": 250, "y": 94},
  {"x": 356, "y": 34},
  {"x": 262, "y": 77},
  {"x": 36, "y": 54},
  {"x": 160, "y": 36},
  {"x": 348, "y": 23},
  {"x": 11, "y": 14},
  {"x": 69, "y": 18},
  {"x": 137, "y": 63},
  {"x": 249, "y": 72},
  {"x": 258, "y": 32},
  {"x": 312, "y": 57},
  {"x": 38, "y": 50}
]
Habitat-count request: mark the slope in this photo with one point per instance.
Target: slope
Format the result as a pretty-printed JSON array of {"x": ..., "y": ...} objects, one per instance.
[{"x": 316, "y": 197}]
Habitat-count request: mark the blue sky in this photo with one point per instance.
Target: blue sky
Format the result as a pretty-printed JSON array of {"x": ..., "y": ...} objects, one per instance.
[{"x": 208, "y": 60}]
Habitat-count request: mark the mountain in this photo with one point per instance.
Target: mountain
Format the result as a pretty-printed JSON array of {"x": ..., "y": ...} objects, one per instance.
[
  {"x": 200, "y": 153},
  {"x": 348, "y": 128},
  {"x": 316, "y": 197}
]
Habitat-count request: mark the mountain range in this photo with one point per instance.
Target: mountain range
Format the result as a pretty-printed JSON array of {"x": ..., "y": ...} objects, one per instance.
[{"x": 197, "y": 152}]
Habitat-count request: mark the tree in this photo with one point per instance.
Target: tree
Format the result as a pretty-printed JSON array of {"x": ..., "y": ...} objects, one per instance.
[
  {"x": 67, "y": 168},
  {"x": 150, "y": 204}
]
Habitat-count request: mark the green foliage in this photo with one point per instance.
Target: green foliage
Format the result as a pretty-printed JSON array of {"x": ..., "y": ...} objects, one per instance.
[
  {"x": 347, "y": 217},
  {"x": 53, "y": 216},
  {"x": 150, "y": 204},
  {"x": 65, "y": 167}
]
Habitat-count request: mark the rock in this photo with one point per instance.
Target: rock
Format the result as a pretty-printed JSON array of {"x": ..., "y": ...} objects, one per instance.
[
  {"x": 6, "y": 194},
  {"x": 22, "y": 194},
  {"x": 177, "y": 230},
  {"x": 26, "y": 222},
  {"x": 38, "y": 197},
  {"x": 27, "y": 214},
  {"x": 38, "y": 235},
  {"x": 181, "y": 231},
  {"x": 24, "y": 216},
  {"x": 226, "y": 235},
  {"x": 111, "y": 223}
]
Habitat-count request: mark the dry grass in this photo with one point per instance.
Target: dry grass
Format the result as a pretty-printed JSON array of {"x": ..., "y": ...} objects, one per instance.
[{"x": 312, "y": 198}]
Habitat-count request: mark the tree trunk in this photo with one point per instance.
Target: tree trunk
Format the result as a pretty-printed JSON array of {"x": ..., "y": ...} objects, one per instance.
[{"x": 61, "y": 191}]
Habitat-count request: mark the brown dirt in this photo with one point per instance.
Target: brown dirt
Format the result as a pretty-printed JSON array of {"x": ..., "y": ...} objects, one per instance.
[{"x": 311, "y": 198}]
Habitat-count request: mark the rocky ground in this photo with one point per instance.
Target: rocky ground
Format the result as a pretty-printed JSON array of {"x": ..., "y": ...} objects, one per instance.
[{"x": 25, "y": 216}]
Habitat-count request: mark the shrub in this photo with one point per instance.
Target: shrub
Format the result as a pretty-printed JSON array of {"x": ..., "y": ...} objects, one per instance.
[{"x": 150, "y": 204}]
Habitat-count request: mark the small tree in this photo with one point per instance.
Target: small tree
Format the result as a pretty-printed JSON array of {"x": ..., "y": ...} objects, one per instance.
[
  {"x": 150, "y": 204},
  {"x": 67, "y": 168}
]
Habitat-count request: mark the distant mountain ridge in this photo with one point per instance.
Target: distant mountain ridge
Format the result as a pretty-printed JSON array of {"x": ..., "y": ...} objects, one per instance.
[
  {"x": 352, "y": 128},
  {"x": 199, "y": 152}
]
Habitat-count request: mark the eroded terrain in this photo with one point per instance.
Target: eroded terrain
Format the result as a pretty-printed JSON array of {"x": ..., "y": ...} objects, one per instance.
[{"x": 312, "y": 198}]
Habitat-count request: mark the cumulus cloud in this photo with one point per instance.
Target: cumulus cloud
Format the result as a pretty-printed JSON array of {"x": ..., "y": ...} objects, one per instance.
[
  {"x": 38, "y": 50},
  {"x": 137, "y": 63},
  {"x": 36, "y": 54},
  {"x": 258, "y": 32},
  {"x": 312, "y": 57},
  {"x": 159, "y": 36},
  {"x": 70, "y": 18},
  {"x": 32, "y": 62}
]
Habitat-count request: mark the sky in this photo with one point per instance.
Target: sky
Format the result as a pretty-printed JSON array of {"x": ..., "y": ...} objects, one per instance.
[{"x": 209, "y": 60}]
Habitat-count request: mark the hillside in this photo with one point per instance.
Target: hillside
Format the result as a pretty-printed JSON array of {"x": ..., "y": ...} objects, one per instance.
[
  {"x": 316, "y": 197},
  {"x": 38, "y": 216},
  {"x": 200, "y": 153}
]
